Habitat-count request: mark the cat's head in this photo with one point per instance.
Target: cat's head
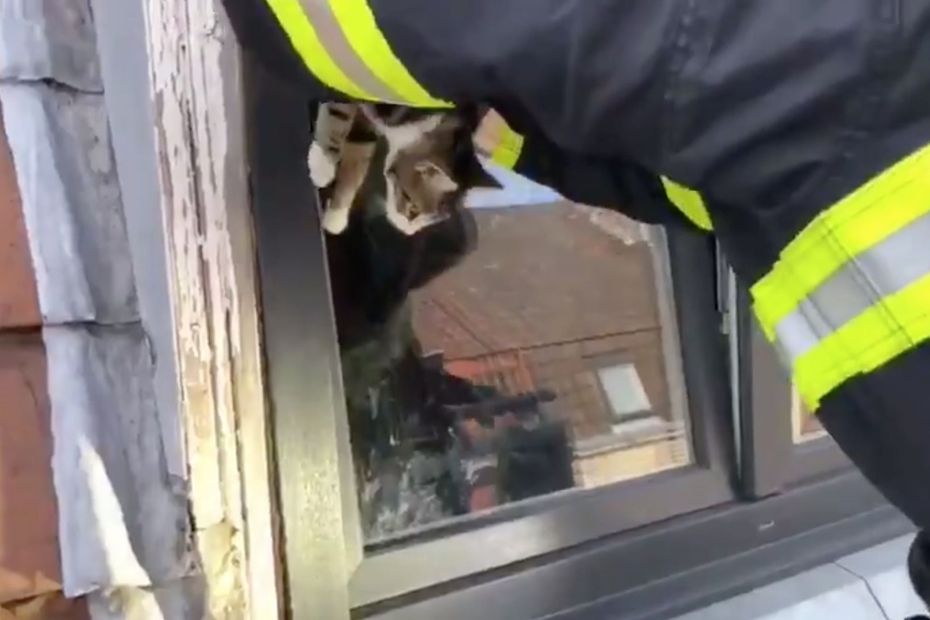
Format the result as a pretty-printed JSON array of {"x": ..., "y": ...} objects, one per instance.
[{"x": 430, "y": 167}]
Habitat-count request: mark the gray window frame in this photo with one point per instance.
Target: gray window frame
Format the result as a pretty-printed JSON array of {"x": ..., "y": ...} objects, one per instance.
[
  {"x": 773, "y": 461},
  {"x": 571, "y": 556},
  {"x": 304, "y": 379}
]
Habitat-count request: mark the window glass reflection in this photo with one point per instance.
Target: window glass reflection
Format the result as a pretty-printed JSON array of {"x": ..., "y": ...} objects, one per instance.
[
  {"x": 804, "y": 425},
  {"x": 505, "y": 354}
]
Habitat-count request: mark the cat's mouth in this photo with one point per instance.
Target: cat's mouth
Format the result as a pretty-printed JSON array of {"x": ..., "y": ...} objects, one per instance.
[{"x": 411, "y": 226}]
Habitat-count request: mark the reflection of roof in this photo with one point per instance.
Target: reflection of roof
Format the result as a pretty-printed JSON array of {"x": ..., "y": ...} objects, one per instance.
[{"x": 541, "y": 275}]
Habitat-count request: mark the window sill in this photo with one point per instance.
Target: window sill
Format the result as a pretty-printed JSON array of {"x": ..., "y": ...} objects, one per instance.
[{"x": 677, "y": 566}]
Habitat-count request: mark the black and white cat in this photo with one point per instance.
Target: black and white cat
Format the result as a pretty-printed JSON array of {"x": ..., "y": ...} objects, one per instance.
[{"x": 430, "y": 166}]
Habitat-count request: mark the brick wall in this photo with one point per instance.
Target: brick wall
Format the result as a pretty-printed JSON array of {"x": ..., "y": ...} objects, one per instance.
[{"x": 30, "y": 571}]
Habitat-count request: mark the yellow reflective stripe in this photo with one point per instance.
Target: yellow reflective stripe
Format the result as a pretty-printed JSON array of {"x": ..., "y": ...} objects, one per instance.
[
  {"x": 845, "y": 230},
  {"x": 507, "y": 151},
  {"x": 290, "y": 14},
  {"x": 360, "y": 28},
  {"x": 896, "y": 324},
  {"x": 689, "y": 202}
]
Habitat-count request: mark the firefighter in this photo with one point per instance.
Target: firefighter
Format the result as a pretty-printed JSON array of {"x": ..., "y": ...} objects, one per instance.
[{"x": 799, "y": 132}]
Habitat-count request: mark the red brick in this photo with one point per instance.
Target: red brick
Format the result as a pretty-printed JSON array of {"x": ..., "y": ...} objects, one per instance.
[
  {"x": 29, "y": 558},
  {"x": 52, "y": 606},
  {"x": 19, "y": 306}
]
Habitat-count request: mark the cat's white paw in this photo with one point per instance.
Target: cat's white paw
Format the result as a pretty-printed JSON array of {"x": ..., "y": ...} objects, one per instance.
[
  {"x": 335, "y": 220},
  {"x": 322, "y": 168}
]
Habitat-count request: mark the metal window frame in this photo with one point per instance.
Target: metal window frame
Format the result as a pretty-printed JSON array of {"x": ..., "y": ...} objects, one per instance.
[
  {"x": 674, "y": 567},
  {"x": 646, "y": 550},
  {"x": 309, "y": 417},
  {"x": 315, "y": 492},
  {"x": 773, "y": 461},
  {"x": 550, "y": 525}
]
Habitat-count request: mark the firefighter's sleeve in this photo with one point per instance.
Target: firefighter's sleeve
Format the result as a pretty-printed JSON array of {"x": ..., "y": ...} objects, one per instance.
[{"x": 612, "y": 183}]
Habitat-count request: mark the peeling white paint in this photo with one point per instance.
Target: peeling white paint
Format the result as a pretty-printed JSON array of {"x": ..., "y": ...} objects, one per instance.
[{"x": 204, "y": 198}]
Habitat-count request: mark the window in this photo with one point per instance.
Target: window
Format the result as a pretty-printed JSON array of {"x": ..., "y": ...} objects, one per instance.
[
  {"x": 481, "y": 387},
  {"x": 552, "y": 410},
  {"x": 538, "y": 369},
  {"x": 626, "y": 396},
  {"x": 785, "y": 441},
  {"x": 474, "y": 417}
]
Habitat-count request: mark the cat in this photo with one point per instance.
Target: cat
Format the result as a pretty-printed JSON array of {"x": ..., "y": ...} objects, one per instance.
[
  {"x": 430, "y": 166},
  {"x": 373, "y": 270},
  {"x": 334, "y": 122}
]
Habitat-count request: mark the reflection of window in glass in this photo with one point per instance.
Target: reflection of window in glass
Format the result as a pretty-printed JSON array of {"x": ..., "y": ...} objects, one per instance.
[
  {"x": 805, "y": 425},
  {"x": 625, "y": 393},
  {"x": 515, "y": 353},
  {"x": 641, "y": 438}
]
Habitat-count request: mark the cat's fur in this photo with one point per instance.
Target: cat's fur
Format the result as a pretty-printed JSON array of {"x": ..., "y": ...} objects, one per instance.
[
  {"x": 331, "y": 130},
  {"x": 373, "y": 270},
  {"x": 430, "y": 165}
]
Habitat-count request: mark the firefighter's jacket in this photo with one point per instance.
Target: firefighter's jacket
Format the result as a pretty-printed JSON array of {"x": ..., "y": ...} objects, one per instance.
[{"x": 801, "y": 128}]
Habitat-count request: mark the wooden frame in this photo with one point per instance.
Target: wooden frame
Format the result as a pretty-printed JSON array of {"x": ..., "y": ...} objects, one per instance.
[{"x": 172, "y": 80}]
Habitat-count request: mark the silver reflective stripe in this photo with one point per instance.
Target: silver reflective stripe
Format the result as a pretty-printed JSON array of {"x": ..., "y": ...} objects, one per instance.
[
  {"x": 332, "y": 37},
  {"x": 898, "y": 261}
]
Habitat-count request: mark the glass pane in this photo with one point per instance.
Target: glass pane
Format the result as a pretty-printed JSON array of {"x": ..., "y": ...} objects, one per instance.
[
  {"x": 804, "y": 424},
  {"x": 509, "y": 353},
  {"x": 626, "y": 395}
]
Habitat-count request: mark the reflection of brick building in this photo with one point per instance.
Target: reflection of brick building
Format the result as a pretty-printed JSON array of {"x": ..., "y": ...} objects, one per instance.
[{"x": 552, "y": 295}]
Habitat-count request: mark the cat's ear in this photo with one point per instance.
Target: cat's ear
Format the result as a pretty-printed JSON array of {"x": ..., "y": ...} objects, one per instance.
[
  {"x": 435, "y": 177},
  {"x": 478, "y": 177}
]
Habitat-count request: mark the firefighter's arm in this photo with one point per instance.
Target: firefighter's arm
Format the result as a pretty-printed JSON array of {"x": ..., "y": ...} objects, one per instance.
[{"x": 597, "y": 181}]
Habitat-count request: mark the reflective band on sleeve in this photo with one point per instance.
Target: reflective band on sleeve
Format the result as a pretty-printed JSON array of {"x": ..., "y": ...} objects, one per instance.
[
  {"x": 839, "y": 234},
  {"x": 339, "y": 42},
  {"x": 861, "y": 296},
  {"x": 689, "y": 202},
  {"x": 331, "y": 35},
  {"x": 290, "y": 14},
  {"x": 495, "y": 140},
  {"x": 868, "y": 342},
  {"x": 507, "y": 151},
  {"x": 358, "y": 22},
  {"x": 888, "y": 268}
]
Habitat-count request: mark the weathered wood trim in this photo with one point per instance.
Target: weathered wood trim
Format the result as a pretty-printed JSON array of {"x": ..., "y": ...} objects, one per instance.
[
  {"x": 190, "y": 130},
  {"x": 198, "y": 117}
]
